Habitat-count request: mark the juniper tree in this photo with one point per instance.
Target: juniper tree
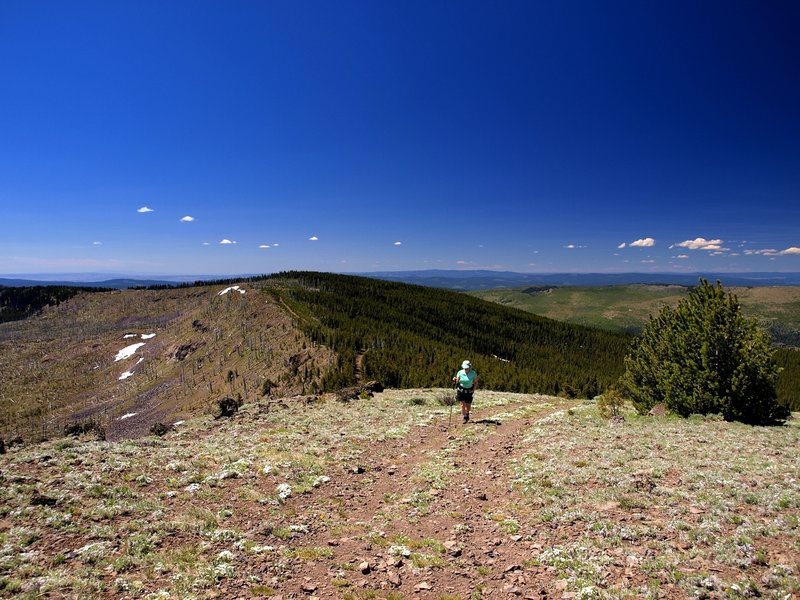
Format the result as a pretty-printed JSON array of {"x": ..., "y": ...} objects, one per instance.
[{"x": 705, "y": 357}]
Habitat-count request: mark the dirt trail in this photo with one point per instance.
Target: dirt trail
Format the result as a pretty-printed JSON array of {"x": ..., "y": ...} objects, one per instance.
[{"x": 430, "y": 515}]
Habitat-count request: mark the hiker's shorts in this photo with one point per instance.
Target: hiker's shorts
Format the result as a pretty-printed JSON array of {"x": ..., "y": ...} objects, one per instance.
[{"x": 465, "y": 396}]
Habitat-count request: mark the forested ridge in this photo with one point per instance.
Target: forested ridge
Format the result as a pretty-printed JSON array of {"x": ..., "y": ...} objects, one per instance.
[
  {"x": 414, "y": 336},
  {"x": 22, "y": 302}
]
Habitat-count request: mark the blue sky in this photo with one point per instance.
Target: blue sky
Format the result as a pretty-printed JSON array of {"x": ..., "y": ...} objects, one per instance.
[{"x": 252, "y": 137}]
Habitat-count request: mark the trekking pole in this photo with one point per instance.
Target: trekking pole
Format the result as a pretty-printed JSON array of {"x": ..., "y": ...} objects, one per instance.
[{"x": 452, "y": 403}]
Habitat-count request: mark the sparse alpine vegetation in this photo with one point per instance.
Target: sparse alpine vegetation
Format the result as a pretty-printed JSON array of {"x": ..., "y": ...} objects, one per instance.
[{"x": 381, "y": 498}]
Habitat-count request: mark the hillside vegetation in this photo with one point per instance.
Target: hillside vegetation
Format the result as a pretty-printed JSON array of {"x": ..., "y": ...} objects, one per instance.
[
  {"x": 22, "y": 302},
  {"x": 292, "y": 333},
  {"x": 413, "y": 336},
  {"x": 189, "y": 347}
]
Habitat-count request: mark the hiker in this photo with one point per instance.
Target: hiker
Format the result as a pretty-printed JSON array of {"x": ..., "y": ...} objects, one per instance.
[{"x": 466, "y": 381}]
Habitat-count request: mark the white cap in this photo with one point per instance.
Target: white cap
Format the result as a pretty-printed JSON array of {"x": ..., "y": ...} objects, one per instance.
[{"x": 466, "y": 364}]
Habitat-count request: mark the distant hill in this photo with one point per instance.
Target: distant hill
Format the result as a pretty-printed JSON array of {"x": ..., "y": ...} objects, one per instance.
[
  {"x": 487, "y": 280},
  {"x": 627, "y": 307},
  {"x": 118, "y": 284}
]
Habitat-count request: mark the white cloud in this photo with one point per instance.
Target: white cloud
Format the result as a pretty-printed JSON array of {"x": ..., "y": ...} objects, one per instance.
[
  {"x": 313, "y": 238},
  {"x": 622, "y": 245},
  {"x": 792, "y": 250},
  {"x": 206, "y": 244},
  {"x": 227, "y": 241},
  {"x": 398, "y": 243},
  {"x": 187, "y": 219},
  {"x": 570, "y": 246},
  {"x": 648, "y": 261},
  {"x": 701, "y": 244},
  {"x": 682, "y": 256},
  {"x": 763, "y": 252},
  {"x": 144, "y": 209},
  {"x": 644, "y": 243},
  {"x": 275, "y": 245},
  {"x": 264, "y": 246},
  {"x": 97, "y": 243}
]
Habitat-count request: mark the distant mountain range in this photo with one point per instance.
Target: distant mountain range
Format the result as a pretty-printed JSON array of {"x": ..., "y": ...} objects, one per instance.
[
  {"x": 486, "y": 280},
  {"x": 448, "y": 279}
]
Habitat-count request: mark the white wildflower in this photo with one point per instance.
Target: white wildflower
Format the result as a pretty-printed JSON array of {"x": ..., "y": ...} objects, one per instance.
[{"x": 284, "y": 491}]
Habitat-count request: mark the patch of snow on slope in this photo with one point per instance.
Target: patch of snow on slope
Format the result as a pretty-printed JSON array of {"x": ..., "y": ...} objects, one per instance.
[
  {"x": 125, "y": 375},
  {"x": 147, "y": 336},
  {"x": 127, "y": 351},
  {"x": 232, "y": 288},
  {"x": 127, "y": 416}
]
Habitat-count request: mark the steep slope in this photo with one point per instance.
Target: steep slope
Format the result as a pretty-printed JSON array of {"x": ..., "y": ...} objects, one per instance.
[{"x": 136, "y": 357}]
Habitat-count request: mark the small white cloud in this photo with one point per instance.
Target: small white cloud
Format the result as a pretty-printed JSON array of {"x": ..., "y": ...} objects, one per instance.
[
  {"x": 398, "y": 243},
  {"x": 792, "y": 250},
  {"x": 716, "y": 253},
  {"x": 187, "y": 219},
  {"x": 264, "y": 246},
  {"x": 644, "y": 243},
  {"x": 622, "y": 245},
  {"x": 144, "y": 209},
  {"x": 313, "y": 238},
  {"x": 648, "y": 261},
  {"x": 206, "y": 244},
  {"x": 97, "y": 243},
  {"x": 701, "y": 244},
  {"x": 682, "y": 256},
  {"x": 227, "y": 241},
  {"x": 570, "y": 246},
  {"x": 763, "y": 252},
  {"x": 275, "y": 245}
]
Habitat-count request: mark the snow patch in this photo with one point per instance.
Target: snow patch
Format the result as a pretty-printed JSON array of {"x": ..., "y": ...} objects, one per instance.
[
  {"x": 128, "y": 351},
  {"x": 235, "y": 288},
  {"x": 147, "y": 336},
  {"x": 125, "y": 375},
  {"x": 128, "y": 335},
  {"x": 127, "y": 416}
]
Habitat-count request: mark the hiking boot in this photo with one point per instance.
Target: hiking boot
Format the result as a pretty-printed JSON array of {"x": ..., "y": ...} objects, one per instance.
[{"x": 466, "y": 417}]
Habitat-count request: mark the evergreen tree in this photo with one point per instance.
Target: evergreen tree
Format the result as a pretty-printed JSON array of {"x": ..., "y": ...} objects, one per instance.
[{"x": 705, "y": 357}]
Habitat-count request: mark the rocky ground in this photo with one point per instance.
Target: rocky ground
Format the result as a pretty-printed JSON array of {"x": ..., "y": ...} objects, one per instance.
[{"x": 394, "y": 497}]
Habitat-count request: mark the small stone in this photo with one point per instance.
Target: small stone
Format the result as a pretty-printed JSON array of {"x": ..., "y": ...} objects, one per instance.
[
  {"x": 481, "y": 496},
  {"x": 333, "y": 542},
  {"x": 364, "y": 568},
  {"x": 514, "y": 567},
  {"x": 424, "y": 585},
  {"x": 308, "y": 587},
  {"x": 516, "y": 538},
  {"x": 453, "y": 548},
  {"x": 394, "y": 579}
]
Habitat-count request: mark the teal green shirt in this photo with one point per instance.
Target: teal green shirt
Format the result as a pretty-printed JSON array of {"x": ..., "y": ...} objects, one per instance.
[{"x": 466, "y": 380}]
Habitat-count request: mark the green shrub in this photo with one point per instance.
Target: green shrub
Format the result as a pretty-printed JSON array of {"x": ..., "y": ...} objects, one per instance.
[
  {"x": 705, "y": 357},
  {"x": 610, "y": 404}
]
